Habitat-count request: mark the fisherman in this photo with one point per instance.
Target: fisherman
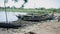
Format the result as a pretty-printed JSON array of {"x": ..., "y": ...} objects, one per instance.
[{"x": 58, "y": 18}]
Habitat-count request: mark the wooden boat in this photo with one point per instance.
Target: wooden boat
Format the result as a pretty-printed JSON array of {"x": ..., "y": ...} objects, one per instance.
[
  {"x": 9, "y": 25},
  {"x": 36, "y": 17}
]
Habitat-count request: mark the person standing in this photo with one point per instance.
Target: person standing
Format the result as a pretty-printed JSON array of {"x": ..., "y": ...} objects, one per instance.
[{"x": 58, "y": 18}]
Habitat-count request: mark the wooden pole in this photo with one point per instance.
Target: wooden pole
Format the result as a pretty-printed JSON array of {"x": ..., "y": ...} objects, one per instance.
[{"x": 5, "y": 11}]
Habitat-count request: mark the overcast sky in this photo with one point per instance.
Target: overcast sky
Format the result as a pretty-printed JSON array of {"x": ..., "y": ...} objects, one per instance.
[{"x": 33, "y": 3}]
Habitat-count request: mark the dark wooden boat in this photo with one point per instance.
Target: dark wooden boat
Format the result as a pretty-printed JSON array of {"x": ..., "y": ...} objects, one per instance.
[
  {"x": 9, "y": 25},
  {"x": 36, "y": 17}
]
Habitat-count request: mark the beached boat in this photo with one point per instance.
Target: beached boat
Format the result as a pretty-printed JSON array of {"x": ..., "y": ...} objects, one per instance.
[
  {"x": 9, "y": 25},
  {"x": 36, "y": 17}
]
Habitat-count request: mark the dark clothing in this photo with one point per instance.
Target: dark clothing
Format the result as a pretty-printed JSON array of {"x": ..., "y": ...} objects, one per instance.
[{"x": 58, "y": 18}]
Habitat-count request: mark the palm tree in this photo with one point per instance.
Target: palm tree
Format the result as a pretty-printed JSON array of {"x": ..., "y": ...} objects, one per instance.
[
  {"x": 18, "y": 0},
  {"x": 15, "y": 0},
  {"x": 25, "y": 1}
]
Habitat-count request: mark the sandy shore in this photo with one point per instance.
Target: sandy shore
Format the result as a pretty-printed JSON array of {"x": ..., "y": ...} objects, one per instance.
[
  {"x": 52, "y": 27},
  {"x": 44, "y": 27}
]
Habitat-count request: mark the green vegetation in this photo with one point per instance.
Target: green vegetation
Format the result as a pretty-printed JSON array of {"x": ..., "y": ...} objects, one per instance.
[{"x": 36, "y": 10}]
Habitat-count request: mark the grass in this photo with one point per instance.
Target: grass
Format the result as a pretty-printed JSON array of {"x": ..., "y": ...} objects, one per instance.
[{"x": 27, "y": 10}]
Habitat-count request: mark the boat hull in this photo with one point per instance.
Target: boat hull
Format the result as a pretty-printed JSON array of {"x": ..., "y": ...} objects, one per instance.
[{"x": 9, "y": 25}]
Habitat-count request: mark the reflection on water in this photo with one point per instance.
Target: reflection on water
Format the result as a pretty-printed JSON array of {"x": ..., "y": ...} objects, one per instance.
[{"x": 11, "y": 16}]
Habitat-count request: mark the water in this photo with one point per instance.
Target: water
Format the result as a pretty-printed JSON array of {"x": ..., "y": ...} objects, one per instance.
[{"x": 11, "y": 16}]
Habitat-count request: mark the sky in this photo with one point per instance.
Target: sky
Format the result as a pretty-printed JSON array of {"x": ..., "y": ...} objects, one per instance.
[{"x": 33, "y": 3}]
